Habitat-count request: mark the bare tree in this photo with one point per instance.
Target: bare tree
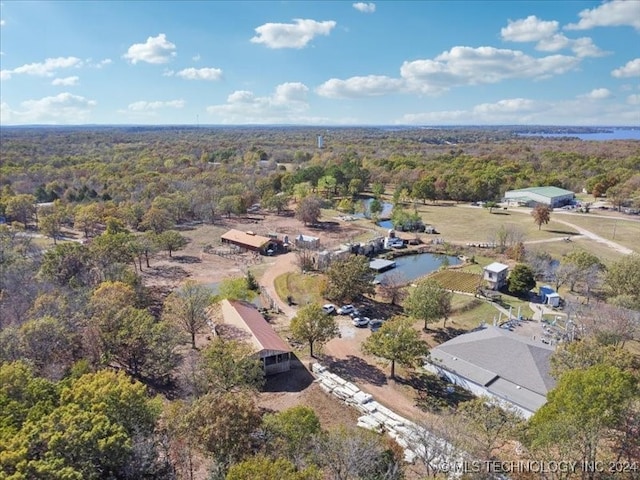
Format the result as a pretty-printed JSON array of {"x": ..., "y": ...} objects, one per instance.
[{"x": 392, "y": 287}]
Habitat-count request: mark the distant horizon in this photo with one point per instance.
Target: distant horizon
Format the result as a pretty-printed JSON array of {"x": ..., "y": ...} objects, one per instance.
[
  {"x": 330, "y": 64},
  {"x": 321, "y": 126}
]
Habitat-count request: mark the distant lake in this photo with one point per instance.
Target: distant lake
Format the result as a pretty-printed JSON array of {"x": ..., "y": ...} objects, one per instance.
[{"x": 613, "y": 134}]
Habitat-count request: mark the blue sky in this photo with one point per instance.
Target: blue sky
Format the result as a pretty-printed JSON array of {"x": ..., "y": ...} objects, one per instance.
[{"x": 320, "y": 63}]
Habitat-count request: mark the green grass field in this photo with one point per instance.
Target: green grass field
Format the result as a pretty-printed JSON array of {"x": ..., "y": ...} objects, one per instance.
[{"x": 303, "y": 288}]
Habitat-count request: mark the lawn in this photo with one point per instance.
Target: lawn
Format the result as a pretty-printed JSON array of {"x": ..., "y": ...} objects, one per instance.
[
  {"x": 468, "y": 313},
  {"x": 462, "y": 224},
  {"x": 624, "y": 231},
  {"x": 303, "y": 288},
  {"x": 557, "y": 249}
]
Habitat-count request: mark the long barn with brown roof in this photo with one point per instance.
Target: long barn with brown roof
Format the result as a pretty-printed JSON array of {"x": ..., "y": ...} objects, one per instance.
[{"x": 250, "y": 326}]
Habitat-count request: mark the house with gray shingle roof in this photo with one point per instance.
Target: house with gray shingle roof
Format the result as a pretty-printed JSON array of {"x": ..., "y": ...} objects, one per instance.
[{"x": 498, "y": 363}]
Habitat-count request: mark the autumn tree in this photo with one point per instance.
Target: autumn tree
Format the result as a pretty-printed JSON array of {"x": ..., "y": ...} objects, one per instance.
[
  {"x": 67, "y": 264},
  {"x": 541, "y": 214},
  {"x": 580, "y": 410},
  {"x": 349, "y": 278},
  {"x": 50, "y": 344},
  {"x": 100, "y": 422},
  {"x": 171, "y": 240},
  {"x": 290, "y": 433},
  {"x": 51, "y": 220},
  {"x": 229, "y": 365},
  {"x": 224, "y": 426},
  {"x": 308, "y": 210},
  {"x": 187, "y": 308},
  {"x": 264, "y": 468},
  {"x": 393, "y": 287},
  {"x": 587, "y": 353},
  {"x": 396, "y": 341},
  {"x": 580, "y": 267},
  {"x": 346, "y": 453},
  {"x": 622, "y": 280},
  {"x": 312, "y": 325},
  {"x": 428, "y": 301},
  {"x": 157, "y": 220},
  {"x": 21, "y": 208},
  {"x": 489, "y": 426}
]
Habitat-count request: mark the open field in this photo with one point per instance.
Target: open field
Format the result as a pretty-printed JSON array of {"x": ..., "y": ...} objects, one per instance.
[
  {"x": 303, "y": 288},
  {"x": 457, "y": 280},
  {"x": 625, "y": 231},
  {"x": 558, "y": 249},
  {"x": 461, "y": 223}
]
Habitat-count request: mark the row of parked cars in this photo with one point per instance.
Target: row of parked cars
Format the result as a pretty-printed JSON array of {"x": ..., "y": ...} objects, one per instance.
[{"x": 357, "y": 318}]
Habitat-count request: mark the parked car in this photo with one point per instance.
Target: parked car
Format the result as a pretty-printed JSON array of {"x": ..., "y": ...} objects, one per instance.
[
  {"x": 329, "y": 308},
  {"x": 355, "y": 313},
  {"x": 346, "y": 309},
  {"x": 375, "y": 324},
  {"x": 360, "y": 322}
]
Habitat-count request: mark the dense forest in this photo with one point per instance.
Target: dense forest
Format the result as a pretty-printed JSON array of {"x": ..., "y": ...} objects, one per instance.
[{"x": 97, "y": 380}]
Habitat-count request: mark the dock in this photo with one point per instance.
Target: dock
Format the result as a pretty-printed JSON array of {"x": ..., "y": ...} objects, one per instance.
[{"x": 381, "y": 265}]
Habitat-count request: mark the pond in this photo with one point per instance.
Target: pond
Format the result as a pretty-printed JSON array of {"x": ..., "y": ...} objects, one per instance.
[
  {"x": 410, "y": 267},
  {"x": 387, "y": 208}
]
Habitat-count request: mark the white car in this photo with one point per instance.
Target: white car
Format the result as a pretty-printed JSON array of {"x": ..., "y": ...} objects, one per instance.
[
  {"x": 346, "y": 309},
  {"x": 360, "y": 322},
  {"x": 329, "y": 308}
]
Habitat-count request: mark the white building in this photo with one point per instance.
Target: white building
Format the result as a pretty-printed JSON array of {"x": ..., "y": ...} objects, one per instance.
[
  {"x": 495, "y": 274},
  {"x": 551, "y": 196}
]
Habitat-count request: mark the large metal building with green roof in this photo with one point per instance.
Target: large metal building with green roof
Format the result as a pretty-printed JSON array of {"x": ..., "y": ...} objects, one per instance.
[{"x": 552, "y": 196}]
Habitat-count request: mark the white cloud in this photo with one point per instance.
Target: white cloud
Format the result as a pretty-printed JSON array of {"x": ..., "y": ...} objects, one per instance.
[
  {"x": 545, "y": 33},
  {"x": 290, "y": 92},
  {"x": 47, "y": 68},
  {"x": 597, "y": 94},
  {"x": 610, "y": 14},
  {"x": 155, "y": 50},
  {"x": 104, "y": 63},
  {"x": 365, "y": 7},
  {"x": 633, "y": 99},
  {"x": 66, "y": 82},
  {"x": 473, "y": 66},
  {"x": 530, "y": 29},
  {"x": 2, "y": 23},
  {"x": 5, "y": 75},
  {"x": 199, "y": 74},
  {"x": 143, "y": 105},
  {"x": 64, "y": 108},
  {"x": 196, "y": 57},
  {"x": 584, "y": 47},
  {"x": 522, "y": 111},
  {"x": 286, "y": 105},
  {"x": 460, "y": 66},
  {"x": 354, "y": 87},
  {"x": 631, "y": 69},
  {"x": 291, "y": 35}
]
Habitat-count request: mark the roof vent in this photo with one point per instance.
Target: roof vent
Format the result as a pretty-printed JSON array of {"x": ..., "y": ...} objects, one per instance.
[{"x": 250, "y": 233}]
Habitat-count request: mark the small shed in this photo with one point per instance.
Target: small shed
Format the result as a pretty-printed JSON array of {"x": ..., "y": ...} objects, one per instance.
[
  {"x": 307, "y": 241},
  {"x": 495, "y": 274},
  {"x": 549, "y": 296}
]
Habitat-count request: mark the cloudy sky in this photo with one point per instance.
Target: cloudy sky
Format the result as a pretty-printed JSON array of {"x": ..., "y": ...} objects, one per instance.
[{"x": 320, "y": 63}]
